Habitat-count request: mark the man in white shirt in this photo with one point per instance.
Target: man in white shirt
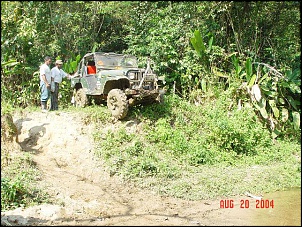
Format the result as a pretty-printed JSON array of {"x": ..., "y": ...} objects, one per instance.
[
  {"x": 57, "y": 74},
  {"x": 45, "y": 82}
]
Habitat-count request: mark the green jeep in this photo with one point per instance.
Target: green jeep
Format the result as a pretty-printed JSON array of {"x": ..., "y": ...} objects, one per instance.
[{"x": 115, "y": 79}]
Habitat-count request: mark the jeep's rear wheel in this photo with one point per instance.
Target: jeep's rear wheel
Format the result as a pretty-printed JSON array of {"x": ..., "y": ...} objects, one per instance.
[
  {"x": 117, "y": 103},
  {"x": 81, "y": 99}
]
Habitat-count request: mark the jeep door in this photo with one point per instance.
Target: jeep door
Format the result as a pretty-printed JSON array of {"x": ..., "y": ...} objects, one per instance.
[{"x": 88, "y": 80}]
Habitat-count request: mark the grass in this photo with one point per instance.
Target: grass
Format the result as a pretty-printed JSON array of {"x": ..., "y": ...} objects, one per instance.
[
  {"x": 203, "y": 152},
  {"x": 212, "y": 182},
  {"x": 180, "y": 150},
  {"x": 19, "y": 179}
]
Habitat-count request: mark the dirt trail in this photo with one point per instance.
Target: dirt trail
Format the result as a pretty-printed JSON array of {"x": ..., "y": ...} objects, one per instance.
[{"x": 63, "y": 151}]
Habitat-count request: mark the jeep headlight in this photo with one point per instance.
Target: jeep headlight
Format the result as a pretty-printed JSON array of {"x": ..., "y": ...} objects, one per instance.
[{"x": 131, "y": 76}]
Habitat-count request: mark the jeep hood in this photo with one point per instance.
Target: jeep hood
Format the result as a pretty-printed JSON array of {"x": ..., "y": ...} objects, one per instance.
[{"x": 112, "y": 73}]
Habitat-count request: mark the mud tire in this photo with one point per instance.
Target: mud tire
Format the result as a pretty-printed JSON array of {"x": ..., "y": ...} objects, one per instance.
[
  {"x": 117, "y": 103},
  {"x": 81, "y": 99}
]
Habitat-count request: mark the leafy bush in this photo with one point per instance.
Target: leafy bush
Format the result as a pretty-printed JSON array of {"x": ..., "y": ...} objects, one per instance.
[
  {"x": 237, "y": 131},
  {"x": 190, "y": 135},
  {"x": 12, "y": 193},
  {"x": 18, "y": 192}
]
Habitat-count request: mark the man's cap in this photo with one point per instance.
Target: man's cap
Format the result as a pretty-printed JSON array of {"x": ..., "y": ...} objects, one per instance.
[{"x": 59, "y": 62}]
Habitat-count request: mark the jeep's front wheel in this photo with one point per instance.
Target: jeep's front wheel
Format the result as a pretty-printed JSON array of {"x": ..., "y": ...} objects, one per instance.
[
  {"x": 117, "y": 103},
  {"x": 81, "y": 99}
]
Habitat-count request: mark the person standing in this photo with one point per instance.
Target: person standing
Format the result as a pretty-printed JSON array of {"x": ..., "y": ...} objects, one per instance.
[
  {"x": 57, "y": 75},
  {"x": 45, "y": 82}
]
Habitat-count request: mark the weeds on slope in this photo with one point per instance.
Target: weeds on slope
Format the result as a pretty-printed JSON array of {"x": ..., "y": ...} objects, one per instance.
[{"x": 199, "y": 152}]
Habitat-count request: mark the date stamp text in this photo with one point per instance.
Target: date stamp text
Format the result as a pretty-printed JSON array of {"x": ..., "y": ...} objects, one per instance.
[{"x": 245, "y": 203}]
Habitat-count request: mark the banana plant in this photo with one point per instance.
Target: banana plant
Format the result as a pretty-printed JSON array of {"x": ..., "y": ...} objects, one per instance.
[
  {"x": 237, "y": 66},
  {"x": 71, "y": 65},
  {"x": 202, "y": 51},
  {"x": 6, "y": 66},
  {"x": 277, "y": 90},
  {"x": 204, "y": 55},
  {"x": 275, "y": 96}
]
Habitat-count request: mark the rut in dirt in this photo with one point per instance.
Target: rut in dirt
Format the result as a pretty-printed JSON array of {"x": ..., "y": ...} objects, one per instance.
[
  {"x": 62, "y": 149},
  {"x": 85, "y": 193}
]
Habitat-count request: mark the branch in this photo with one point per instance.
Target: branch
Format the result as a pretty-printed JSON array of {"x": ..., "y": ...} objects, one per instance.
[{"x": 271, "y": 68}]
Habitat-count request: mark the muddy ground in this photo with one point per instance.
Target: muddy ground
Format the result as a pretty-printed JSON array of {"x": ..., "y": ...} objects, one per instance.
[{"x": 62, "y": 148}]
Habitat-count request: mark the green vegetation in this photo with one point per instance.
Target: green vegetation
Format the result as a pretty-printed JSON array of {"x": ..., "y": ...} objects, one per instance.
[
  {"x": 201, "y": 48},
  {"x": 200, "y": 152},
  {"x": 231, "y": 119},
  {"x": 18, "y": 181}
]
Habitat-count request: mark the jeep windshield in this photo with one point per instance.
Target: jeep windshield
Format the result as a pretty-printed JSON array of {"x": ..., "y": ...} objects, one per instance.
[{"x": 114, "y": 61}]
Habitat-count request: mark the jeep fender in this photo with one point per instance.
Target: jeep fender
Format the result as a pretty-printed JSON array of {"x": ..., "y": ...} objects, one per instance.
[{"x": 120, "y": 82}]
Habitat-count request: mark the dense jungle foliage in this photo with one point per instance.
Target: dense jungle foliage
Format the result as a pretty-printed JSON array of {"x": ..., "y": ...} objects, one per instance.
[
  {"x": 233, "y": 82},
  {"x": 251, "y": 49}
]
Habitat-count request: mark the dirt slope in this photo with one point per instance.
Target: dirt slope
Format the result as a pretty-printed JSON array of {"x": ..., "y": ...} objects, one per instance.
[{"x": 63, "y": 151}]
